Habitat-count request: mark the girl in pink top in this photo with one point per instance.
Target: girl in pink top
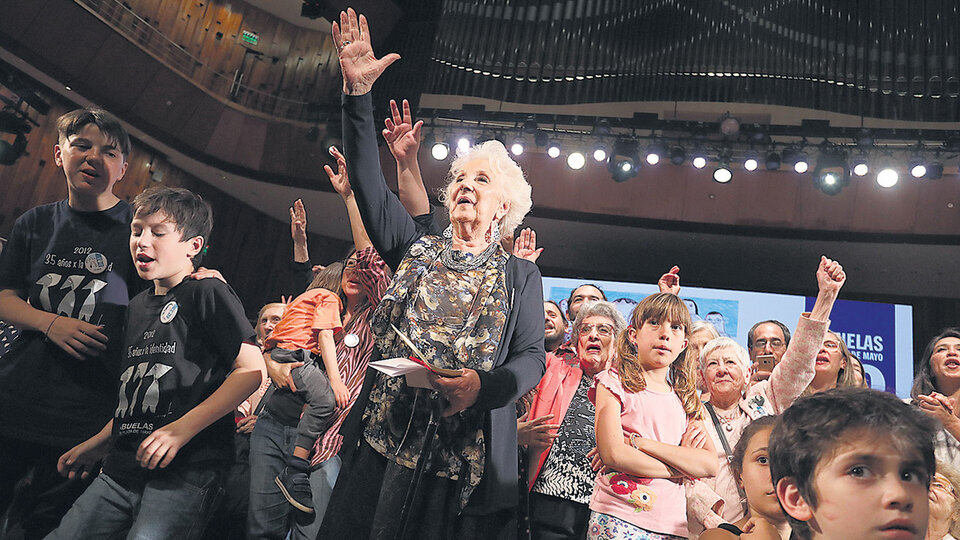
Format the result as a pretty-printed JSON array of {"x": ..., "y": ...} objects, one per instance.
[{"x": 649, "y": 427}]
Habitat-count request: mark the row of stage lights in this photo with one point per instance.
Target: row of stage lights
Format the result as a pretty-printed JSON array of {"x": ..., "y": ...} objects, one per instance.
[{"x": 831, "y": 172}]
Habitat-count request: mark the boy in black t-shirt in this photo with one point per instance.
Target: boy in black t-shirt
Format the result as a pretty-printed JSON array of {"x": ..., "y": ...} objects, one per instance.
[
  {"x": 65, "y": 281},
  {"x": 189, "y": 359}
]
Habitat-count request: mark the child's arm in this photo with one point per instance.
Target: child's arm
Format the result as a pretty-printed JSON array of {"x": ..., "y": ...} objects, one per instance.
[
  {"x": 696, "y": 460},
  {"x": 341, "y": 183},
  {"x": 161, "y": 446},
  {"x": 614, "y": 452},
  {"x": 79, "y": 339},
  {"x": 403, "y": 139},
  {"x": 328, "y": 350},
  {"x": 84, "y": 456}
]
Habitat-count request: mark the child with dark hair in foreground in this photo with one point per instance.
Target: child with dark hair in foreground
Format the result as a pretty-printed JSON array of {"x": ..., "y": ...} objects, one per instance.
[
  {"x": 188, "y": 360},
  {"x": 853, "y": 463}
]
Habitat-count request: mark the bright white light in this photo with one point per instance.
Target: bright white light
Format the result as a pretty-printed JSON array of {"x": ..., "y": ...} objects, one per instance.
[
  {"x": 751, "y": 164},
  {"x": 553, "y": 151},
  {"x": 699, "y": 162},
  {"x": 801, "y": 167},
  {"x": 722, "y": 175},
  {"x": 576, "y": 160},
  {"x": 439, "y": 151},
  {"x": 918, "y": 171},
  {"x": 861, "y": 169},
  {"x": 626, "y": 166},
  {"x": 463, "y": 144},
  {"x": 599, "y": 154},
  {"x": 887, "y": 178},
  {"x": 653, "y": 159},
  {"x": 516, "y": 149},
  {"x": 829, "y": 179}
]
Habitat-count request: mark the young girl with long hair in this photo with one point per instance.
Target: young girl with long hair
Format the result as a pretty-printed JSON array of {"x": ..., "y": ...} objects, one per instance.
[{"x": 649, "y": 427}]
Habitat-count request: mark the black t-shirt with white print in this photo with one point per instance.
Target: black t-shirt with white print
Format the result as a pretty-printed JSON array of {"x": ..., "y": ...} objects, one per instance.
[
  {"x": 76, "y": 264},
  {"x": 179, "y": 348}
]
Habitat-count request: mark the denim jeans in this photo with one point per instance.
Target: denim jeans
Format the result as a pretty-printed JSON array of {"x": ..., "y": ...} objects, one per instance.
[
  {"x": 175, "y": 506},
  {"x": 270, "y": 515}
]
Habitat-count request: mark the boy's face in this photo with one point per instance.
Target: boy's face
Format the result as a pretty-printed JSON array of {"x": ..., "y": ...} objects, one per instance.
[
  {"x": 866, "y": 489},
  {"x": 658, "y": 342},
  {"x": 158, "y": 251},
  {"x": 91, "y": 162}
]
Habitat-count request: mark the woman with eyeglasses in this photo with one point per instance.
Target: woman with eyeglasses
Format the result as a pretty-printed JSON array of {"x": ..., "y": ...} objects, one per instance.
[
  {"x": 560, "y": 479},
  {"x": 725, "y": 368},
  {"x": 834, "y": 367},
  {"x": 944, "y": 495}
]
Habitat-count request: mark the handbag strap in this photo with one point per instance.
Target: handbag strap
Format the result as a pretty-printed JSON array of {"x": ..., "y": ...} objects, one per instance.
[{"x": 726, "y": 448}]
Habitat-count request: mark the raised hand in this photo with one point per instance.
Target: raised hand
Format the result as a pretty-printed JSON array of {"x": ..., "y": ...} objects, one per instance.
[
  {"x": 358, "y": 65},
  {"x": 670, "y": 282},
  {"x": 525, "y": 246},
  {"x": 298, "y": 222},
  {"x": 830, "y": 275},
  {"x": 401, "y": 134},
  {"x": 340, "y": 181}
]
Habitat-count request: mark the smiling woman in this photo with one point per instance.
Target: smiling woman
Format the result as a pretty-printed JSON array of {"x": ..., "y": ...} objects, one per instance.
[{"x": 936, "y": 388}]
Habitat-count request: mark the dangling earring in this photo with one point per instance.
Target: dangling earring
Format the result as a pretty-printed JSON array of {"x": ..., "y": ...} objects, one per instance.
[
  {"x": 493, "y": 234},
  {"x": 448, "y": 232}
]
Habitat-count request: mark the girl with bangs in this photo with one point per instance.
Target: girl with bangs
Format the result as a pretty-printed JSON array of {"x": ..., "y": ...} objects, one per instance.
[{"x": 649, "y": 428}]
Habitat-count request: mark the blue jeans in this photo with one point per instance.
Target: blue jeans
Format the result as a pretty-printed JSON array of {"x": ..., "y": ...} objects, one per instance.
[
  {"x": 176, "y": 506},
  {"x": 270, "y": 515}
]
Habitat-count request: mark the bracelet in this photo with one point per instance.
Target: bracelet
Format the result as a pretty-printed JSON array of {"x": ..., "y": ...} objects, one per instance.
[
  {"x": 47, "y": 333},
  {"x": 632, "y": 442}
]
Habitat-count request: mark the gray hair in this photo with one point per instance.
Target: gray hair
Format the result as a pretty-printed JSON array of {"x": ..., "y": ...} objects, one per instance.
[
  {"x": 725, "y": 343},
  {"x": 705, "y": 326},
  {"x": 598, "y": 308},
  {"x": 516, "y": 190}
]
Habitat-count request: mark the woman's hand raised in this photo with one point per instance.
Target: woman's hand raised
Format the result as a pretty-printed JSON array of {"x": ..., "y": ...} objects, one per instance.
[{"x": 359, "y": 66}]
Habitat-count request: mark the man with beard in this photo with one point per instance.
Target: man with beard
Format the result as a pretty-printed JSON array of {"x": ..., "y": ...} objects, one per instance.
[{"x": 555, "y": 326}]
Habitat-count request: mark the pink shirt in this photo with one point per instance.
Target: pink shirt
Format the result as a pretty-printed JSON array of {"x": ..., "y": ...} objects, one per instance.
[{"x": 653, "y": 504}]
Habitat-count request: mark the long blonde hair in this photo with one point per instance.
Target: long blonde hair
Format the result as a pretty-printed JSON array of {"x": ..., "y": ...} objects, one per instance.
[{"x": 664, "y": 307}]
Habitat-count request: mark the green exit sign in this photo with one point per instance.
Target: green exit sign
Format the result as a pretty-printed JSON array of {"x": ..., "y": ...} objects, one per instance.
[{"x": 250, "y": 37}]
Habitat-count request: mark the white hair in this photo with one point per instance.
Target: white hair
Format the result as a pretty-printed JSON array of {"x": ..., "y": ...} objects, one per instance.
[
  {"x": 725, "y": 343},
  {"x": 516, "y": 190}
]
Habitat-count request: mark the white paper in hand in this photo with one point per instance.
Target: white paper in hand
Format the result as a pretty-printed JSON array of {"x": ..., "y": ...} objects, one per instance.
[{"x": 395, "y": 367}]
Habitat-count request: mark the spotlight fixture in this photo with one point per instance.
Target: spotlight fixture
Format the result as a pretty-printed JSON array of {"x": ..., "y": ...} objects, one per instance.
[
  {"x": 773, "y": 161},
  {"x": 935, "y": 170},
  {"x": 517, "y": 147},
  {"x": 624, "y": 160},
  {"x": 722, "y": 173},
  {"x": 530, "y": 126},
  {"x": 729, "y": 126},
  {"x": 463, "y": 143},
  {"x": 918, "y": 167},
  {"x": 654, "y": 152},
  {"x": 801, "y": 165},
  {"x": 599, "y": 152},
  {"x": 576, "y": 160},
  {"x": 541, "y": 138},
  {"x": 887, "y": 177},
  {"x": 832, "y": 173},
  {"x": 439, "y": 151},
  {"x": 864, "y": 138},
  {"x": 700, "y": 161},
  {"x": 751, "y": 161},
  {"x": 678, "y": 155},
  {"x": 553, "y": 148},
  {"x": 860, "y": 166}
]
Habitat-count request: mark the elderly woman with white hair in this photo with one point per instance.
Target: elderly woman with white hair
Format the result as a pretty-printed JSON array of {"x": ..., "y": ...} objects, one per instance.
[
  {"x": 725, "y": 368},
  {"x": 468, "y": 306}
]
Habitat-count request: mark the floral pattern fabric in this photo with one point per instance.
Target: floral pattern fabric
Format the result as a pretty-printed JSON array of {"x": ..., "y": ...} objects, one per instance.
[
  {"x": 606, "y": 527},
  {"x": 456, "y": 319}
]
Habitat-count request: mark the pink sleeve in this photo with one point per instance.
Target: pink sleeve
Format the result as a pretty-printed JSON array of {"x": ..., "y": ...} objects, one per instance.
[
  {"x": 701, "y": 501},
  {"x": 798, "y": 366},
  {"x": 326, "y": 316},
  {"x": 611, "y": 381}
]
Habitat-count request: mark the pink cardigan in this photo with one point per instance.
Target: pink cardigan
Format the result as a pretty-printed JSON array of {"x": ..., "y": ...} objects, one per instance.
[{"x": 552, "y": 396}]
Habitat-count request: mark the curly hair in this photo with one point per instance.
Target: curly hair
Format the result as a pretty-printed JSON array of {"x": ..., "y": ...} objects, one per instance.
[{"x": 668, "y": 307}]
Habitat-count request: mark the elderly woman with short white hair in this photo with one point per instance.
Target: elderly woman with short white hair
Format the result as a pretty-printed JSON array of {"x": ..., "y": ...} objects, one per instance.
[
  {"x": 468, "y": 306},
  {"x": 725, "y": 368}
]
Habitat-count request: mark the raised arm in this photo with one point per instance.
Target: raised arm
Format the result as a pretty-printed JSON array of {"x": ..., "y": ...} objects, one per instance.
[
  {"x": 403, "y": 139},
  {"x": 341, "y": 183}
]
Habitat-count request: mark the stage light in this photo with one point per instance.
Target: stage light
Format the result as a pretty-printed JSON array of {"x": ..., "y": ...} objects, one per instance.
[
  {"x": 624, "y": 160},
  {"x": 860, "y": 167},
  {"x": 530, "y": 126},
  {"x": 599, "y": 153},
  {"x": 700, "y": 161},
  {"x": 576, "y": 161},
  {"x": 751, "y": 161},
  {"x": 553, "y": 148},
  {"x": 729, "y": 126},
  {"x": 887, "y": 177},
  {"x": 678, "y": 155},
  {"x": 801, "y": 165},
  {"x": 935, "y": 170},
  {"x": 517, "y": 147},
  {"x": 918, "y": 167},
  {"x": 654, "y": 152},
  {"x": 463, "y": 143},
  {"x": 832, "y": 172},
  {"x": 541, "y": 138},
  {"x": 439, "y": 151},
  {"x": 773, "y": 161},
  {"x": 722, "y": 173}
]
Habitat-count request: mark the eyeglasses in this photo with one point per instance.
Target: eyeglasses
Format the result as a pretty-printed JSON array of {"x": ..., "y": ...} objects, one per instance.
[
  {"x": 944, "y": 486},
  {"x": 832, "y": 345},
  {"x": 350, "y": 264},
  {"x": 605, "y": 330},
  {"x": 775, "y": 344}
]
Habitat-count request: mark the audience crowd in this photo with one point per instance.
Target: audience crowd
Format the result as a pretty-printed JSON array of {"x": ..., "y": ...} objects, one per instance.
[{"x": 410, "y": 389}]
